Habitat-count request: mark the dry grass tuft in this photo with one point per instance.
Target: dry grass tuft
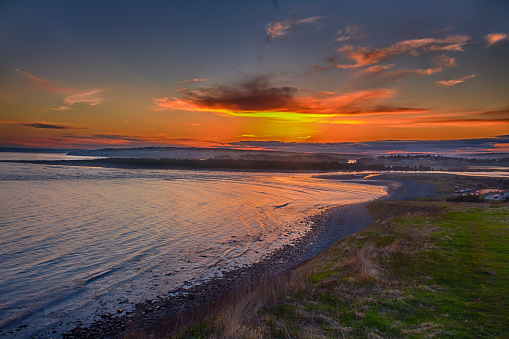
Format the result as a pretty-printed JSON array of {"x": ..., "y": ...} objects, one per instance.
[
  {"x": 242, "y": 304},
  {"x": 429, "y": 329},
  {"x": 395, "y": 247},
  {"x": 363, "y": 264}
]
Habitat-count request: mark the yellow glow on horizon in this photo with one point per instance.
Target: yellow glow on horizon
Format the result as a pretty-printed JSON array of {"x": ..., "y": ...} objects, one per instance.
[{"x": 288, "y": 116}]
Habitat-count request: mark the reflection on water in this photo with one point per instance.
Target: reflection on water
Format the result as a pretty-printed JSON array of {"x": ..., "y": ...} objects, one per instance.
[{"x": 80, "y": 241}]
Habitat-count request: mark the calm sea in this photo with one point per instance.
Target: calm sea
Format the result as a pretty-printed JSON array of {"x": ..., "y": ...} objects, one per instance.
[{"x": 76, "y": 242}]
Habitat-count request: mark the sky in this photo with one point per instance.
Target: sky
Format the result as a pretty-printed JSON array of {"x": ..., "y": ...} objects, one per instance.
[{"x": 255, "y": 74}]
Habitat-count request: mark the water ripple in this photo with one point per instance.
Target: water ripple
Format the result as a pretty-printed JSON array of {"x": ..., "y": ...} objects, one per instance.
[{"x": 77, "y": 241}]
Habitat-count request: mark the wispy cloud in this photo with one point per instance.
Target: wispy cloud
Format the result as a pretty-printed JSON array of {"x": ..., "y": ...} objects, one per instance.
[
  {"x": 90, "y": 98},
  {"x": 60, "y": 108},
  {"x": 427, "y": 71},
  {"x": 503, "y": 112},
  {"x": 454, "y": 82},
  {"x": 467, "y": 121},
  {"x": 117, "y": 139},
  {"x": 379, "y": 75},
  {"x": 365, "y": 56},
  {"x": 44, "y": 84},
  {"x": 350, "y": 32},
  {"x": 445, "y": 61},
  {"x": 379, "y": 69},
  {"x": 282, "y": 28},
  {"x": 44, "y": 125},
  {"x": 72, "y": 95},
  {"x": 193, "y": 81},
  {"x": 493, "y": 38},
  {"x": 463, "y": 119}
]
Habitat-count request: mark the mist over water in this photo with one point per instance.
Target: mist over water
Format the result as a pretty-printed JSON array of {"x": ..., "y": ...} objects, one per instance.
[{"x": 77, "y": 242}]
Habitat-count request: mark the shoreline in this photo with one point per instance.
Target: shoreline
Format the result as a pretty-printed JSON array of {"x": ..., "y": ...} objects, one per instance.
[
  {"x": 298, "y": 168},
  {"x": 329, "y": 225}
]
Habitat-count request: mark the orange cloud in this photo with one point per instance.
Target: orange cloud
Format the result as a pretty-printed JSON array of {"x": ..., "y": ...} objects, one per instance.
[
  {"x": 462, "y": 119},
  {"x": 340, "y": 104},
  {"x": 365, "y": 56},
  {"x": 453, "y": 82},
  {"x": 493, "y": 38},
  {"x": 377, "y": 69},
  {"x": 445, "y": 61},
  {"x": 466, "y": 121},
  {"x": 428, "y": 71}
]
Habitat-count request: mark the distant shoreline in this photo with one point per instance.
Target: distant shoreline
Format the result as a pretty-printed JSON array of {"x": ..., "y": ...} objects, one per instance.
[{"x": 223, "y": 164}]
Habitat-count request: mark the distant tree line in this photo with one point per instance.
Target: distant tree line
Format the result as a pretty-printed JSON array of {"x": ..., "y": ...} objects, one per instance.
[{"x": 253, "y": 164}]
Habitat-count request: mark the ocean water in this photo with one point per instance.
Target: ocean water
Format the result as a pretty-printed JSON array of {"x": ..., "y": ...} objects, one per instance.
[{"x": 76, "y": 242}]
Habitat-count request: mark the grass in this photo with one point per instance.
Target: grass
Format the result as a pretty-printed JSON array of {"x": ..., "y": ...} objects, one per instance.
[
  {"x": 447, "y": 183},
  {"x": 422, "y": 269},
  {"x": 440, "y": 270}
]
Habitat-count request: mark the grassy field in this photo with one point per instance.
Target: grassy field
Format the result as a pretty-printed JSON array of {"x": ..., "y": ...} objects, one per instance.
[{"x": 422, "y": 269}]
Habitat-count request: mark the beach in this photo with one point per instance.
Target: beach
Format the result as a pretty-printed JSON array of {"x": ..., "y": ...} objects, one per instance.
[{"x": 328, "y": 226}]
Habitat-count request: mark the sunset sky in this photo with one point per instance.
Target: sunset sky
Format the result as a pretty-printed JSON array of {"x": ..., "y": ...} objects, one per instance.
[{"x": 253, "y": 73}]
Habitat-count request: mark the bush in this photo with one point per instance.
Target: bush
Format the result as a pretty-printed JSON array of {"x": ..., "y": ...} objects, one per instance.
[{"x": 464, "y": 198}]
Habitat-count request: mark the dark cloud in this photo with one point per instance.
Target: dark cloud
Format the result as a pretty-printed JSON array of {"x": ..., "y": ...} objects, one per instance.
[
  {"x": 256, "y": 94},
  {"x": 43, "y": 125}
]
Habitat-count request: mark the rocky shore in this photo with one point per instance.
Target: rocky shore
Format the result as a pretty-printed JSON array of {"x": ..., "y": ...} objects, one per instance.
[{"x": 328, "y": 226}]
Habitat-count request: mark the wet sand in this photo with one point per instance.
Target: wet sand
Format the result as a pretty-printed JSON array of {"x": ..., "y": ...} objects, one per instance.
[{"x": 329, "y": 226}]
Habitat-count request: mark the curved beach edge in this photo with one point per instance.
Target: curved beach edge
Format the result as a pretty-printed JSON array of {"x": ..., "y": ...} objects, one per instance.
[{"x": 329, "y": 226}]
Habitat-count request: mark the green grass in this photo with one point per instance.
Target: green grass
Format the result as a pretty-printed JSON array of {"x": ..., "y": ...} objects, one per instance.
[{"x": 435, "y": 270}]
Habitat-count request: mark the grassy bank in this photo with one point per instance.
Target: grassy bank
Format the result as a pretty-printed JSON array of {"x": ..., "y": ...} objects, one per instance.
[{"x": 422, "y": 269}]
